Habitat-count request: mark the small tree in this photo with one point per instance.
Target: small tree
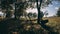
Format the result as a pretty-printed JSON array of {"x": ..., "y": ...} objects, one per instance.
[
  {"x": 45, "y": 13},
  {"x": 34, "y": 15},
  {"x": 58, "y": 12},
  {"x": 30, "y": 14}
]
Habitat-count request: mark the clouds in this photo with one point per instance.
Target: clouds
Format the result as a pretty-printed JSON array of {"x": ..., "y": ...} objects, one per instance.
[{"x": 34, "y": 10}]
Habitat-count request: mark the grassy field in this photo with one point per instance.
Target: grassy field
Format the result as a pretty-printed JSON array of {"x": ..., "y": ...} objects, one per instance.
[{"x": 54, "y": 22}]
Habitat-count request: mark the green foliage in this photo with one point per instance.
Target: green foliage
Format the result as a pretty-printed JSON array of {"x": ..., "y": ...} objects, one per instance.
[
  {"x": 20, "y": 8},
  {"x": 6, "y": 6},
  {"x": 45, "y": 3}
]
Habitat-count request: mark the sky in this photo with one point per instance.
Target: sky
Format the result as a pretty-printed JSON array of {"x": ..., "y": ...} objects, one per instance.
[{"x": 51, "y": 9}]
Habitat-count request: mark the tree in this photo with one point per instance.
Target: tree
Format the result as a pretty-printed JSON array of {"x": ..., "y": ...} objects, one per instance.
[
  {"x": 42, "y": 4},
  {"x": 58, "y": 12},
  {"x": 43, "y": 22},
  {"x": 45, "y": 13}
]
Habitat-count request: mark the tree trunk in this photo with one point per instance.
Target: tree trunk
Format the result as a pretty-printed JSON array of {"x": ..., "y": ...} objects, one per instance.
[{"x": 39, "y": 12}]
